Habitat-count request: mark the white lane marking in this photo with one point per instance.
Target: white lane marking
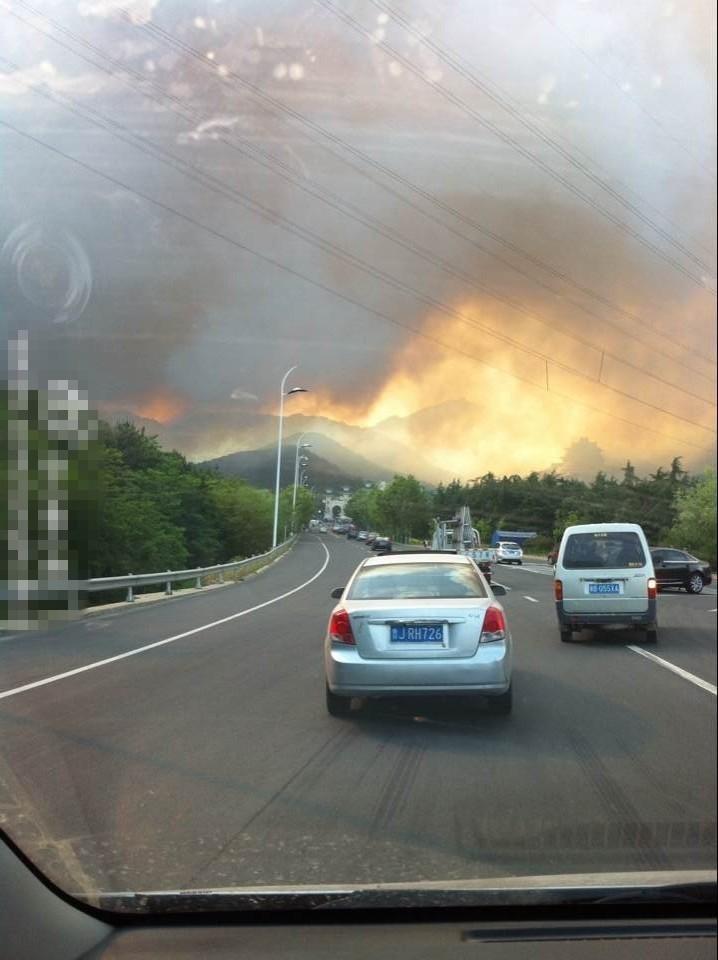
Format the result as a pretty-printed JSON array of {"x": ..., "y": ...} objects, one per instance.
[
  {"x": 527, "y": 568},
  {"x": 703, "y": 684},
  {"x": 160, "y": 643},
  {"x": 714, "y": 610},
  {"x": 531, "y": 599}
]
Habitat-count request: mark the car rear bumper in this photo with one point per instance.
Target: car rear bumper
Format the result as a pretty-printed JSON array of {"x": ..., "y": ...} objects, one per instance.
[
  {"x": 586, "y": 619},
  {"x": 348, "y": 674}
]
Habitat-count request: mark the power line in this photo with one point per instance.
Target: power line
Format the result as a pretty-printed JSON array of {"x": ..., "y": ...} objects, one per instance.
[
  {"x": 626, "y": 93},
  {"x": 230, "y": 76},
  {"x": 218, "y": 234},
  {"x": 199, "y": 175},
  {"x": 506, "y": 138},
  {"x": 337, "y": 203},
  {"x": 502, "y": 99}
]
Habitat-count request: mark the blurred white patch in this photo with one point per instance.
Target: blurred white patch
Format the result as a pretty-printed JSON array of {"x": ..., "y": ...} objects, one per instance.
[
  {"x": 280, "y": 71},
  {"x": 296, "y": 71},
  {"x": 668, "y": 9},
  {"x": 138, "y": 11},
  {"x": 378, "y": 35},
  {"x": 546, "y": 88},
  {"x": 239, "y": 394},
  {"x": 260, "y": 36},
  {"x": 657, "y": 81},
  {"x": 382, "y": 18},
  {"x": 223, "y": 70},
  {"x": 394, "y": 68},
  {"x": 210, "y": 54},
  {"x": 45, "y": 74},
  {"x": 626, "y": 86},
  {"x": 150, "y": 66},
  {"x": 210, "y": 129},
  {"x": 200, "y": 23},
  {"x": 433, "y": 75},
  {"x": 572, "y": 104}
]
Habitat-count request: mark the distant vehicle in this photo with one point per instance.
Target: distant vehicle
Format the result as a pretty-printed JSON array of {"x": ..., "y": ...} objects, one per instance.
[
  {"x": 459, "y": 536},
  {"x": 371, "y": 537},
  {"x": 382, "y": 545},
  {"x": 421, "y": 623},
  {"x": 509, "y": 552},
  {"x": 323, "y": 528},
  {"x": 604, "y": 575},
  {"x": 676, "y": 568},
  {"x": 352, "y": 532},
  {"x": 362, "y": 535}
]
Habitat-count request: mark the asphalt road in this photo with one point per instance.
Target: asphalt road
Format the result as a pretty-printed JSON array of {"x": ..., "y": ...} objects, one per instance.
[{"x": 209, "y": 760}]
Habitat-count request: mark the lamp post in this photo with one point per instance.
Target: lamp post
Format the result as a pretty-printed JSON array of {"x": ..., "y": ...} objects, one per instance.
[
  {"x": 300, "y": 446},
  {"x": 283, "y": 392}
]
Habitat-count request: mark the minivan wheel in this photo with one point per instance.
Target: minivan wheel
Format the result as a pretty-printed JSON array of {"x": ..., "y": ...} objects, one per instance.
[
  {"x": 567, "y": 636},
  {"x": 501, "y": 704},
  {"x": 650, "y": 634},
  {"x": 338, "y": 706},
  {"x": 694, "y": 584}
]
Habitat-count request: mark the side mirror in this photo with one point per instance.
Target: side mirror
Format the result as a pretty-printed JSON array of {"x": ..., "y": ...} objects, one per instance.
[
  {"x": 337, "y": 593},
  {"x": 498, "y": 590}
]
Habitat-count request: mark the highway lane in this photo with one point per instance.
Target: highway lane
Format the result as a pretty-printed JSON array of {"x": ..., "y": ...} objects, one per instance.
[{"x": 210, "y": 761}]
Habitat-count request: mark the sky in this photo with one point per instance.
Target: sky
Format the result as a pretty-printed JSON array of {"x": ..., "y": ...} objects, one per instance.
[{"x": 484, "y": 231}]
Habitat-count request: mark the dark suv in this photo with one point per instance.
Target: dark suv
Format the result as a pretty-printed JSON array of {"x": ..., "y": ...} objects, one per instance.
[{"x": 676, "y": 568}]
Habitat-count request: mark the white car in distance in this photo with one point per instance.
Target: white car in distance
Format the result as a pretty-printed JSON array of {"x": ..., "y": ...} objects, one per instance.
[{"x": 509, "y": 552}]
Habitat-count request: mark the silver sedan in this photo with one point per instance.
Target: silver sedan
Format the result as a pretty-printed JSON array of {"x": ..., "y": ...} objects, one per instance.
[{"x": 424, "y": 623}]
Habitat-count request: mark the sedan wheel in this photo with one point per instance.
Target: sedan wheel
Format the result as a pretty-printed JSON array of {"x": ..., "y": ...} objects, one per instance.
[
  {"x": 502, "y": 703},
  {"x": 694, "y": 583},
  {"x": 338, "y": 706}
]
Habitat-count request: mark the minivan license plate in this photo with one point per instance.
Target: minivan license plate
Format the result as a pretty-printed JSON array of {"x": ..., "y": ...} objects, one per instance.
[
  {"x": 417, "y": 633},
  {"x": 605, "y": 588}
]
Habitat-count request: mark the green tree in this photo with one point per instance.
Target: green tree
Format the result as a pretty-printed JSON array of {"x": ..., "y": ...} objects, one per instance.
[
  {"x": 404, "y": 508},
  {"x": 695, "y": 525}
]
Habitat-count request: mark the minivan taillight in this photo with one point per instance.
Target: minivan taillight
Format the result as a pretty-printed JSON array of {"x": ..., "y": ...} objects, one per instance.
[
  {"x": 558, "y": 590},
  {"x": 652, "y": 588},
  {"x": 340, "y": 628},
  {"x": 494, "y": 627}
]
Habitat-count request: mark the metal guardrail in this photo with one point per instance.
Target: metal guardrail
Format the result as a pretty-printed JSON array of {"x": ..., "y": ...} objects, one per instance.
[{"x": 168, "y": 577}]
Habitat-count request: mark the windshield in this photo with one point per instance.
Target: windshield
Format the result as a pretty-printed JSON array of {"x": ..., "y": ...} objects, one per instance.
[
  {"x": 603, "y": 551},
  {"x": 416, "y": 581},
  {"x": 302, "y": 302}
]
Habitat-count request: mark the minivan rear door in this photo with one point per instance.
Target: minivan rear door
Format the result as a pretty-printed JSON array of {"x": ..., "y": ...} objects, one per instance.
[{"x": 605, "y": 572}]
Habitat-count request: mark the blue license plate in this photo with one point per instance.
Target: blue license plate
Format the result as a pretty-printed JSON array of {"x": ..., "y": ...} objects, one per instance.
[
  {"x": 603, "y": 588},
  {"x": 417, "y": 633}
]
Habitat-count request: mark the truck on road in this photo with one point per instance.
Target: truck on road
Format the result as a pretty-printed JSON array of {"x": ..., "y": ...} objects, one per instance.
[{"x": 459, "y": 536}]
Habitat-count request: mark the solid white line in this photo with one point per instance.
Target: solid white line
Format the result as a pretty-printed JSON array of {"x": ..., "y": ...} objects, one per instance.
[
  {"x": 703, "y": 684},
  {"x": 531, "y": 599},
  {"x": 160, "y": 643}
]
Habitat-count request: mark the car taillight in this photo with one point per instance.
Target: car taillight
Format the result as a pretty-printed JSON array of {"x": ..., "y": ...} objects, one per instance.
[
  {"x": 494, "y": 627},
  {"x": 652, "y": 588},
  {"x": 340, "y": 628},
  {"x": 558, "y": 590}
]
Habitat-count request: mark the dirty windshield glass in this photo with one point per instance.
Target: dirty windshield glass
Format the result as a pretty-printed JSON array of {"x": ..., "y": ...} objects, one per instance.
[{"x": 288, "y": 286}]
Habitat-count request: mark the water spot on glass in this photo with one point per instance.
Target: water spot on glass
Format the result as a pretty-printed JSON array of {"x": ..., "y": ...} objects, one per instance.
[
  {"x": 200, "y": 23},
  {"x": 280, "y": 71},
  {"x": 150, "y": 66},
  {"x": 382, "y": 18},
  {"x": 657, "y": 81},
  {"x": 378, "y": 35},
  {"x": 296, "y": 71},
  {"x": 49, "y": 268},
  {"x": 210, "y": 54},
  {"x": 394, "y": 68}
]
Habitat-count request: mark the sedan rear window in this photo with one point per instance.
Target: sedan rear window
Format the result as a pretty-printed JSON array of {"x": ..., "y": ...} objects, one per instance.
[
  {"x": 603, "y": 551},
  {"x": 417, "y": 581}
]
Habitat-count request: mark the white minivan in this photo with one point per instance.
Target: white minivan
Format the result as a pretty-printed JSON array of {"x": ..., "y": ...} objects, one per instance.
[{"x": 604, "y": 575}]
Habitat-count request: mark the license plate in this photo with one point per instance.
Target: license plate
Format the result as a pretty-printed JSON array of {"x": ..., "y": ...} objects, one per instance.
[
  {"x": 417, "y": 633},
  {"x": 615, "y": 589}
]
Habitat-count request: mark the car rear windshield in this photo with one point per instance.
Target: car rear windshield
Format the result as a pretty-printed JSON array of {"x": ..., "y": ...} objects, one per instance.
[
  {"x": 417, "y": 581},
  {"x": 603, "y": 550},
  {"x": 511, "y": 546}
]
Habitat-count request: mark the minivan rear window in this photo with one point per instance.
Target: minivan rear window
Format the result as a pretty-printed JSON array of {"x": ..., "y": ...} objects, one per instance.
[{"x": 603, "y": 550}]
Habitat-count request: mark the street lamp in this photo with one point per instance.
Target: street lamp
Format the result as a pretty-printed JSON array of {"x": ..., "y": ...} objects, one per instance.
[
  {"x": 283, "y": 392},
  {"x": 300, "y": 446}
]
